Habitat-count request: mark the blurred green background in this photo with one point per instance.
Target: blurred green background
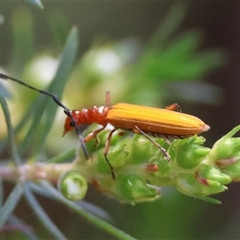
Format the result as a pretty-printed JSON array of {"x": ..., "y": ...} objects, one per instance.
[{"x": 145, "y": 53}]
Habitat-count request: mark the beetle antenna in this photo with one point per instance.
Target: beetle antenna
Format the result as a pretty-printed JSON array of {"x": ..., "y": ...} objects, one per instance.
[{"x": 59, "y": 103}]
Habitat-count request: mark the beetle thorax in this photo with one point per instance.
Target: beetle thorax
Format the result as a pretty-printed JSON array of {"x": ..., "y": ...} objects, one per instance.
[{"x": 90, "y": 115}]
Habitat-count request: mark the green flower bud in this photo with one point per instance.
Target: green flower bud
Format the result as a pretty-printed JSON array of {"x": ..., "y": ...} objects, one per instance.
[
  {"x": 141, "y": 150},
  {"x": 116, "y": 157},
  {"x": 188, "y": 153},
  {"x": 226, "y": 147},
  {"x": 191, "y": 156},
  {"x": 213, "y": 175},
  {"x": 189, "y": 185},
  {"x": 132, "y": 188},
  {"x": 73, "y": 185},
  {"x": 161, "y": 175},
  {"x": 233, "y": 171}
]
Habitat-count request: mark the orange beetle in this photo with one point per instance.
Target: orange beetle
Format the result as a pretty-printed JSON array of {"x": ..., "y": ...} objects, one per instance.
[{"x": 157, "y": 122}]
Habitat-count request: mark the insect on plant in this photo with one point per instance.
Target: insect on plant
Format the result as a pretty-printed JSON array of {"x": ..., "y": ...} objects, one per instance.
[{"x": 166, "y": 123}]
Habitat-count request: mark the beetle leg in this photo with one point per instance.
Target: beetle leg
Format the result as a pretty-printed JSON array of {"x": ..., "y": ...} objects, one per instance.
[
  {"x": 164, "y": 152},
  {"x": 107, "y": 146},
  {"x": 94, "y": 135},
  {"x": 174, "y": 107}
]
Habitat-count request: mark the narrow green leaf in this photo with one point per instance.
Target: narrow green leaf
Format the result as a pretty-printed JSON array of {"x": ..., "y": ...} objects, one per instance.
[
  {"x": 39, "y": 190},
  {"x": 23, "y": 38},
  {"x": 39, "y": 131},
  {"x": 88, "y": 216},
  {"x": 25, "y": 229},
  {"x": 10, "y": 204},
  {"x": 13, "y": 147},
  {"x": 1, "y": 192},
  {"x": 36, "y": 3},
  {"x": 89, "y": 207},
  {"x": 169, "y": 25},
  {"x": 43, "y": 217},
  {"x": 66, "y": 156},
  {"x": 4, "y": 92},
  {"x": 20, "y": 125}
]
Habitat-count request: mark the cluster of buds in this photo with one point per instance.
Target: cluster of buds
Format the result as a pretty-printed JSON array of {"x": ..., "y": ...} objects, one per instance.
[{"x": 141, "y": 169}]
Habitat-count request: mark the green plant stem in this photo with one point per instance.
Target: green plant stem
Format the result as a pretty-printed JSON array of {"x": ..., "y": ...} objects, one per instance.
[{"x": 35, "y": 171}]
